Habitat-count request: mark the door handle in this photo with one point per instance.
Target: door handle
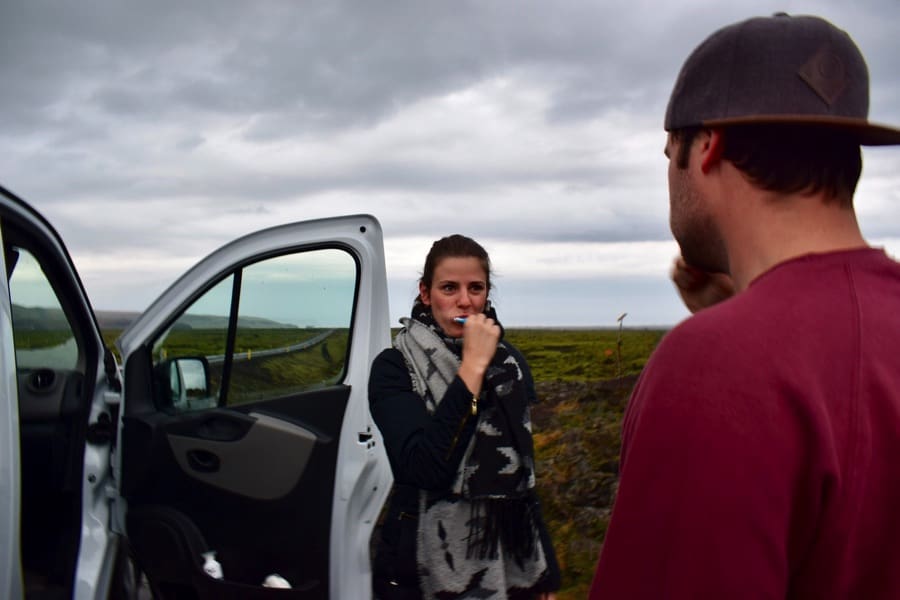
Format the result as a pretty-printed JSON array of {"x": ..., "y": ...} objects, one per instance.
[{"x": 203, "y": 461}]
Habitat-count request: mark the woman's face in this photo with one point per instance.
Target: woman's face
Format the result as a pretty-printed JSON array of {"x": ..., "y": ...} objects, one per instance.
[{"x": 458, "y": 289}]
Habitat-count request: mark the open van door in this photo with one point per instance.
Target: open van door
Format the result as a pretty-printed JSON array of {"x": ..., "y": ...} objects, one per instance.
[
  {"x": 245, "y": 423},
  {"x": 59, "y": 394},
  {"x": 237, "y": 423}
]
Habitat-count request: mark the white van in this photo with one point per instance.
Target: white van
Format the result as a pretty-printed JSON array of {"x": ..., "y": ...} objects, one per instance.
[{"x": 233, "y": 420}]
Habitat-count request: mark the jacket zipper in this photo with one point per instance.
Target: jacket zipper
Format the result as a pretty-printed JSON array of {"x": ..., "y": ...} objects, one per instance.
[{"x": 472, "y": 412}]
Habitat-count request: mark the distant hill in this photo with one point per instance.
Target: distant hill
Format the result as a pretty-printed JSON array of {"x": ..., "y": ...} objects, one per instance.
[
  {"x": 30, "y": 318},
  {"x": 115, "y": 319},
  {"x": 214, "y": 322},
  {"x": 38, "y": 319}
]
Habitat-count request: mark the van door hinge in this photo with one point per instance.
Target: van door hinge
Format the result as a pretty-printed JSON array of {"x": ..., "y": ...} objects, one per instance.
[{"x": 101, "y": 431}]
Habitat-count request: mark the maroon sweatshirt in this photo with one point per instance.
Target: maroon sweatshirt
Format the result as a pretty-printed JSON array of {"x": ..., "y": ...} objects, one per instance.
[{"x": 761, "y": 446}]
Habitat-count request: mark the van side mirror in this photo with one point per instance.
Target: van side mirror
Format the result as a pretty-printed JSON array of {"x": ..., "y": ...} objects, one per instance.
[{"x": 183, "y": 384}]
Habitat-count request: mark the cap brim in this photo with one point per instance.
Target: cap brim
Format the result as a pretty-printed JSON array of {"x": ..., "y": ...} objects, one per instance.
[{"x": 866, "y": 132}]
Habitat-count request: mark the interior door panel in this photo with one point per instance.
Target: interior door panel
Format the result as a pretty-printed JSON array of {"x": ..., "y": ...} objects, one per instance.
[
  {"x": 264, "y": 463},
  {"x": 267, "y": 507},
  {"x": 52, "y": 432}
]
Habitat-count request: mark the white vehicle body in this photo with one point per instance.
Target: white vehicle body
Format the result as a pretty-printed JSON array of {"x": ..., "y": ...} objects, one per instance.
[{"x": 234, "y": 420}]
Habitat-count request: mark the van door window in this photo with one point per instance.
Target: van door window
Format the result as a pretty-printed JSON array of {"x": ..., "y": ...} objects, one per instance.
[
  {"x": 42, "y": 335},
  {"x": 271, "y": 329}
]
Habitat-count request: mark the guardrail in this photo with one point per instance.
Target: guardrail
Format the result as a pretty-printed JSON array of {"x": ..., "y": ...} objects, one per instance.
[{"x": 219, "y": 358}]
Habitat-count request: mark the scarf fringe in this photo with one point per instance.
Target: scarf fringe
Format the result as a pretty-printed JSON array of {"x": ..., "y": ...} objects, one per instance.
[{"x": 506, "y": 522}]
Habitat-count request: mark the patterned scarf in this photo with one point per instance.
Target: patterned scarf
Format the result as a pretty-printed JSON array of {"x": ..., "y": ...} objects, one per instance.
[{"x": 479, "y": 540}]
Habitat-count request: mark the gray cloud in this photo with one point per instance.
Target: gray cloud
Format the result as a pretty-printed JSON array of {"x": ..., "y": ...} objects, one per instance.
[{"x": 138, "y": 127}]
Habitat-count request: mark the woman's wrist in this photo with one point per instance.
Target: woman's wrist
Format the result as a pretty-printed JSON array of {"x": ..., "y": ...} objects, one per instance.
[{"x": 472, "y": 377}]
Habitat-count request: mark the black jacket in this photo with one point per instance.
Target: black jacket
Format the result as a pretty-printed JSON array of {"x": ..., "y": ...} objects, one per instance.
[{"x": 424, "y": 451}]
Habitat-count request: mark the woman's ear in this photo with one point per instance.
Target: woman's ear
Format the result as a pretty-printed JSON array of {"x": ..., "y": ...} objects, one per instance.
[{"x": 424, "y": 296}]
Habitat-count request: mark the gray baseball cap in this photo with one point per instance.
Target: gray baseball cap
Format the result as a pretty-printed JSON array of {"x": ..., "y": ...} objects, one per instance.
[{"x": 798, "y": 70}]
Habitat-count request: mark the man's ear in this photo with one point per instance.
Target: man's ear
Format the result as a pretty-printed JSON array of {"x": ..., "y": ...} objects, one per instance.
[
  {"x": 712, "y": 146},
  {"x": 424, "y": 296}
]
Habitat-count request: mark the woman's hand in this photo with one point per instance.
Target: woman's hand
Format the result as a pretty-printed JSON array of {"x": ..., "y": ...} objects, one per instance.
[
  {"x": 480, "y": 337},
  {"x": 546, "y": 596},
  {"x": 699, "y": 289}
]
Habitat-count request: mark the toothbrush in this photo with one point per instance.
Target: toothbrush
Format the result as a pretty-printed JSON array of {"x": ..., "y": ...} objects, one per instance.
[{"x": 460, "y": 319}]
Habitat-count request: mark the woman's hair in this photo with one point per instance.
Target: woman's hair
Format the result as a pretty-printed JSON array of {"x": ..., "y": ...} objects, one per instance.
[{"x": 455, "y": 246}]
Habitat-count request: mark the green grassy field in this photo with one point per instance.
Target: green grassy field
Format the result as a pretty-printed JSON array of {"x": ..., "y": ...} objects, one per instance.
[
  {"x": 583, "y": 379},
  {"x": 585, "y": 354}
]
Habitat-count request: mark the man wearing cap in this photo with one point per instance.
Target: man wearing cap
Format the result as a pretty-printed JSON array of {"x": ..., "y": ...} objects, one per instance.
[{"x": 760, "y": 446}]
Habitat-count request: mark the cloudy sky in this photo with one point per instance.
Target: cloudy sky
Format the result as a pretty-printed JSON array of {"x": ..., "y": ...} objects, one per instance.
[{"x": 150, "y": 133}]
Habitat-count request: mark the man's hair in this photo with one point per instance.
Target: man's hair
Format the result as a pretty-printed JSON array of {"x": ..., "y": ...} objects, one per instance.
[
  {"x": 684, "y": 138},
  {"x": 788, "y": 158}
]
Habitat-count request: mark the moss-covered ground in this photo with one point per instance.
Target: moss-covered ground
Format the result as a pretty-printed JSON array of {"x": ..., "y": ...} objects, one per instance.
[{"x": 583, "y": 380}]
